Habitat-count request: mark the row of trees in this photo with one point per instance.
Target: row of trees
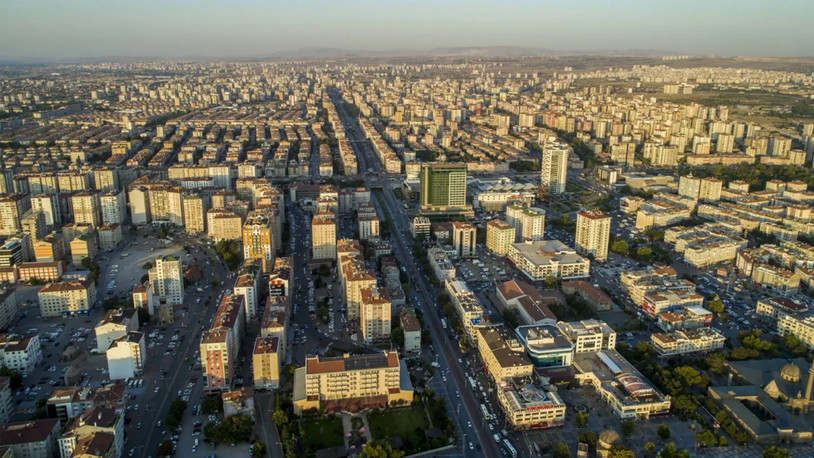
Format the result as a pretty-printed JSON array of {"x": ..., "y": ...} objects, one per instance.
[
  {"x": 233, "y": 429},
  {"x": 175, "y": 414},
  {"x": 229, "y": 251}
]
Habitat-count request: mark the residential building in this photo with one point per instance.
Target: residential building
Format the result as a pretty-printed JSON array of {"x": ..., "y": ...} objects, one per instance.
[
  {"x": 239, "y": 401},
  {"x": 548, "y": 258},
  {"x": 528, "y": 222},
  {"x": 220, "y": 344},
  {"x": 9, "y": 306},
  {"x": 502, "y": 353},
  {"x": 247, "y": 285},
  {"x": 223, "y": 224},
  {"x": 168, "y": 280},
  {"x": 682, "y": 342},
  {"x": 802, "y": 328},
  {"x": 125, "y": 357},
  {"x": 593, "y": 234},
  {"x": 258, "y": 242},
  {"x": 323, "y": 235},
  {"x": 705, "y": 189},
  {"x": 412, "y": 331},
  {"x": 143, "y": 298},
  {"x": 595, "y": 297},
  {"x": 31, "y": 438},
  {"x": 588, "y": 335},
  {"x": 528, "y": 303},
  {"x": 774, "y": 309},
  {"x": 85, "y": 205},
  {"x": 113, "y": 207},
  {"x": 467, "y": 306},
  {"x": 12, "y": 209},
  {"x": 97, "y": 432},
  {"x": 375, "y": 315},
  {"x": 20, "y": 354},
  {"x": 67, "y": 298},
  {"x": 464, "y": 239},
  {"x": 499, "y": 236},
  {"x": 110, "y": 235},
  {"x": 115, "y": 324},
  {"x": 441, "y": 266},
  {"x": 195, "y": 213},
  {"x": 554, "y": 165},
  {"x": 266, "y": 363},
  {"x": 351, "y": 383},
  {"x": 6, "y": 400}
]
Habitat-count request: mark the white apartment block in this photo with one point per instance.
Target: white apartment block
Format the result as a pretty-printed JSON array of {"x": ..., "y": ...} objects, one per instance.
[
  {"x": 588, "y": 335},
  {"x": 554, "y": 167},
  {"x": 548, "y": 258},
  {"x": 167, "y": 276},
  {"x": 593, "y": 234},
  {"x": 802, "y": 328},
  {"x": 499, "y": 237},
  {"x": 67, "y": 298},
  {"x": 20, "y": 354},
  {"x": 682, "y": 342},
  {"x": 528, "y": 222},
  {"x": 125, "y": 357},
  {"x": 113, "y": 207},
  {"x": 464, "y": 239}
]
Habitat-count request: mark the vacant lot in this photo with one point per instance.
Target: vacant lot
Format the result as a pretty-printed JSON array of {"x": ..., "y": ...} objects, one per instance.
[
  {"x": 397, "y": 422},
  {"x": 319, "y": 433}
]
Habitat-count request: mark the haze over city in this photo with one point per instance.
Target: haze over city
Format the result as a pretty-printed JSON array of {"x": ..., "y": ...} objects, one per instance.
[{"x": 41, "y": 29}]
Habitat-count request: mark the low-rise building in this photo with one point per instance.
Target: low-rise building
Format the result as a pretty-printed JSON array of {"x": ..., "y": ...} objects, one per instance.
[
  {"x": 32, "y": 438},
  {"x": 527, "y": 302},
  {"x": 546, "y": 346},
  {"x": 68, "y": 298},
  {"x": 588, "y": 335},
  {"x": 20, "y": 354},
  {"x": 239, "y": 401},
  {"x": 682, "y": 342},
  {"x": 550, "y": 258},
  {"x": 412, "y": 331},
  {"x": 595, "y": 297},
  {"x": 115, "y": 324}
]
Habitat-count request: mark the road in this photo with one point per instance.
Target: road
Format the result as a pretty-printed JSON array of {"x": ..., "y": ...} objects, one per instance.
[{"x": 422, "y": 287}]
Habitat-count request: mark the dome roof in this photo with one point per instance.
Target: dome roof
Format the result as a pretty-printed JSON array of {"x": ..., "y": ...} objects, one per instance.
[
  {"x": 607, "y": 438},
  {"x": 790, "y": 372}
]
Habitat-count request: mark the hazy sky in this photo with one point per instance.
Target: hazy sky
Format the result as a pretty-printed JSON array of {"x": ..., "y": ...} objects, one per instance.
[{"x": 238, "y": 28}]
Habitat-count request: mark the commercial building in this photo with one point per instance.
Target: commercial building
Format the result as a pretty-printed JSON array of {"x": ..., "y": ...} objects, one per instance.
[
  {"x": 467, "y": 306},
  {"x": 554, "y": 167},
  {"x": 67, "y": 298},
  {"x": 546, "y": 346},
  {"x": 420, "y": 227},
  {"x": 588, "y": 335},
  {"x": 125, "y": 357},
  {"x": 351, "y": 383},
  {"x": 323, "y": 235},
  {"x": 499, "y": 237},
  {"x": 464, "y": 239},
  {"x": 266, "y": 363},
  {"x": 548, "y": 258},
  {"x": 528, "y": 303},
  {"x": 528, "y": 222},
  {"x": 682, "y": 342},
  {"x": 687, "y": 318},
  {"x": 258, "y": 241},
  {"x": 593, "y": 234},
  {"x": 441, "y": 266},
  {"x": 443, "y": 189},
  {"x": 168, "y": 279}
]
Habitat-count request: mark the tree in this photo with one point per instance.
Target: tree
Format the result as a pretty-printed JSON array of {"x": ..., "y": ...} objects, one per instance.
[
  {"x": 561, "y": 450},
  {"x": 16, "y": 378},
  {"x": 644, "y": 253},
  {"x": 551, "y": 281},
  {"x": 383, "y": 450},
  {"x": 166, "y": 448},
  {"x": 588, "y": 437},
  {"x": 279, "y": 417},
  {"x": 650, "y": 447},
  {"x": 715, "y": 305},
  {"x": 628, "y": 427},
  {"x": 211, "y": 404},
  {"x": 510, "y": 317},
  {"x": 620, "y": 451},
  {"x": 258, "y": 449},
  {"x": 671, "y": 451},
  {"x": 620, "y": 247},
  {"x": 581, "y": 419},
  {"x": 664, "y": 431},
  {"x": 145, "y": 278},
  {"x": 147, "y": 266},
  {"x": 706, "y": 439},
  {"x": 775, "y": 452},
  {"x": 397, "y": 336}
]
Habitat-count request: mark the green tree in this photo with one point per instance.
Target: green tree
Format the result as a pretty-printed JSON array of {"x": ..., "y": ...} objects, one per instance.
[
  {"x": 628, "y": 427},
  {"x": 383, "y": 450},
  {"x": 258, "y": 449},
  {"x": 588, "y": 437},
  {"x": 715, "y": 305},
  {"x": 581, "y": 419},
  {"x": 561, "y": 450},
  {"x": 211, "y": 404},
  {"x": 145, "y": 278},
  {"x": 165, "y": 448},
  {"x": 510, "y": 317},
  {"x": 620, "y": 451},
  {"x": 147, "y": 266},
  {"x": 551, "y": 281},
  {"x": 775, "y": 452},
  {"x": 671, "y": 451},
  {"x": 650, "y": 447},
  {"x": 397, "y": 336},
  {"x": 706, "y": 439},
  {"x": 664, "y": 431},
  {"x": 644, "y": 253},
  {"x": 620, "y": 247}
]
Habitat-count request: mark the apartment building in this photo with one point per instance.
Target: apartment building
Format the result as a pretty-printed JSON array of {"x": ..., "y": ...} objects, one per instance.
[
  {"x": 548, "y": 258},
  {"x": 798, "y": 326},
  {"x": 12, "y": 209},
  {"x": 168, "y": 280},
  {"x": 420, "y": 227},
  {"x": 528, "y": 222},
  {"x": 68, "y": 298},
  {"x": 593, "y": 234},
  {"x": 113, "y": 207},
  {"x": 554, "y": 166},
  {"x": 375, "y": 315},
  {"x": 126, "y": 355},
  {"x": 705, "y": 189},
  {"x": 368, "y": 226},
  {"x": 86, "y": 208},
  {"x": 323, "y": 235},
  {"x": 97, "y": 432},
  {"x": 258, "y": 241},
  {"x": 115, "y": 324},
  {"x": 682, "y": 342},
  {"x": 266, "y": 363},
  {"x": 588, "y": 335},
  {"x": 466, "y": 304},
  {"x": 20, "y": 354},
  {"x": 223, "y": 224},
  {"x": 32, "y": 438},
  {"x": 9, "y": 306},
  {"x": 247, "y": 285},
  {"x": 351, "y": 383},
  {"x": 220, "y": 344},
  {"x": 502, "y": 353},
  {"x": 412, "y": 331},
  {"x": 143, "y": 298},
  {"x": 48, "y": 205},
  {"x": 195, "y": 213},
  {"x": 464, "y": 239},
  {"x": 499, "y": 237}
]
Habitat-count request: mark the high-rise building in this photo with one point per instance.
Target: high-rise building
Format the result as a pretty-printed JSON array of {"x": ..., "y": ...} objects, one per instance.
[
  {"x": 220, "y": 344},
  {"x": 167, "y": 276},
  {"x": 12, "y": 209},
  {"x": 464, "y": 239},
  {"x": 126, "y": 356},
  {"x": 323, "y": 235},
  {"x": 554, "y": 166},
  {"x": 85, "y": 205},
  {"x": 266, "y": 363},
  {"x": 223, "y": 224},
  {"x": 443, "y": 187},
  {"x": 139, "y": 199},
  {"x": 175, "y": 206},
  {"x": 195, "y": 209},
  {"x": 593, "y": 234},
  {"x": 67, "y": 298},
  {"x": 258, "y": 242},
  {"x": 375, "y": 315},
  {"x": 708, "y": 189},
  {"x": 33, "y": 224},
  {"x": 528, "y": 222},
  {"x": 499, "y": 236},
  {"x": 113, "y": 207},
  {"x": 48, "y": 204}
]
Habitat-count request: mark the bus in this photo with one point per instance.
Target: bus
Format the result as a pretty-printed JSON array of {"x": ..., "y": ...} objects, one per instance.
[
  {"x": 443, "y": 323},
  {"x": 509, "y": 448},
  {"x": 486, "y": 415}
]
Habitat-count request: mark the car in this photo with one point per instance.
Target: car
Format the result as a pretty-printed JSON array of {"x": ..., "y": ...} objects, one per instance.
[
  {"x": 132, "y": 452},
  {"x": 158, "y": 423},
  {"x": 468, "y": 424},
  {"x": 471, "y": 446}
]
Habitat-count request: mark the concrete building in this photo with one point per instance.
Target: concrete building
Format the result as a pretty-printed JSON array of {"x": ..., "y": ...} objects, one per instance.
[
  {"x": 554, "y": 165},
  {"x": 351, "y": 383},
  {"x": 86, "y": 209},
  {"x": 464, "y": 239},
  {"x": 30, "y": 439},
  {"x": 97, "y": 432},
  {"x": 110, "y": 235},
  {"x": 705, "y": 189},
  {"x": 20, "y": 354},
  {"x": 546, "y": 346},
  {"x": 12, "y": 209},
  {"x": 375, "y": 315},
  {"x": 220, "y": 344},
  {"x": 247, "y": 285},
  {"x": 266, "y": 363},
  {"x": 412, "y": 331},
  {"x": 9, "y": 306},
  {"x": 595, "y": 297},
  {"x": 168, "y": 279},
  {"x": 499, "y": 237},
  {"x": 420, "y": 227},
  {"x": 195, "y": 212},
  {"x": 258, "y": 241},
  {"x": 528, "y": 222},
  {"x": 549, "y": 258},
  {"x": 48, "y": 204},
  {"x": 67, "y": 298},
  {"x": 113, "y": 207},
  {"x": 593, "y": 234},
  {"x": 683, "y": 342},
  {"x": 323, "y": 235},
  {"x": 443, "y": 187},
  {"x": 223, "y": 224},
  {"x": 143, "y": 298},
  {"x": 527, "y": 302},
  {"x": 125, "y": 357},
  {"x": 802, "y": 328},
  {"x": 588, "y": 335},
  {"x": 115, "y": 324}
]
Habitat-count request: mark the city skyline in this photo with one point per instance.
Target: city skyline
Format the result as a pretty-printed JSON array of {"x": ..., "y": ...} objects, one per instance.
[{"x": 89, "y": 29}]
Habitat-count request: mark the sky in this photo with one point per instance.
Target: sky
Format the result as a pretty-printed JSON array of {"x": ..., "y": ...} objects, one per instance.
[{"x": 65, "y": 29}]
